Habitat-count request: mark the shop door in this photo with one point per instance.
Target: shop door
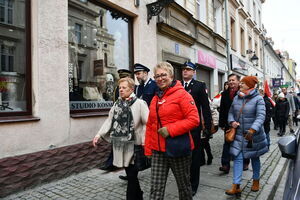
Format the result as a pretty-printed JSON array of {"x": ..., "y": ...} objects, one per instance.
[
  {"x": 204, "y": 75},
  {"x": 220, "y": 81},
  {"x": 177, "y": 70}
]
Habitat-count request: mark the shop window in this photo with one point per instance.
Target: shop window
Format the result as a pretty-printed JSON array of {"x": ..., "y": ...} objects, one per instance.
[
  {"x": 15, "y": 53},
  {"x": 100, "y": 43},
  {"x": 6, "y": 11}
]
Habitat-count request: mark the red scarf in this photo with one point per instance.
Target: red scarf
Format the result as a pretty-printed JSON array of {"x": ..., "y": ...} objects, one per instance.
[{"x": 232, "y": 92}]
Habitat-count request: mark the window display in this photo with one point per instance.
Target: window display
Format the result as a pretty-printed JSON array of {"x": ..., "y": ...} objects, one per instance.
[
  {"x": 99, "y": 45},
  {"x": 14, "y": 86}
]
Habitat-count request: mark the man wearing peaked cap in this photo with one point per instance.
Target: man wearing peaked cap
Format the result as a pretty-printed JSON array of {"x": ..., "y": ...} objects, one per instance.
[
  {"x": 198, "y": 91},
  {"x": 147, "y": 87}
]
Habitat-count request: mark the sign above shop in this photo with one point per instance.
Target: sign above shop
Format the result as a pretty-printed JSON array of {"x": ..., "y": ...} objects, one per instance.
[
  {"x": 90, "y": 105},
  {"x": 276, "y": 82},
  {"x": 206, "y": 59},
  {"x": 239, "y": 65}
]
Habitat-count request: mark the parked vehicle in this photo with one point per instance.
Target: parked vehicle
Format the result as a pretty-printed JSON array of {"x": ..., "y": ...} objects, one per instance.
[{"x": 289, "y": 147}]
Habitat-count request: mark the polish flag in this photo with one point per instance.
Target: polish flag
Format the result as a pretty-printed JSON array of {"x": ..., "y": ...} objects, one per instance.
[{"x": 268, "y": 92}]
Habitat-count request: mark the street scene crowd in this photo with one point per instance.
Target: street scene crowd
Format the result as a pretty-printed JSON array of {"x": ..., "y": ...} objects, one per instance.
[{"x": 168, "y": 124}]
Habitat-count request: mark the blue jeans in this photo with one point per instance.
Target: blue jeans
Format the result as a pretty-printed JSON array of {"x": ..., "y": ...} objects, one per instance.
[
  {"x": 268, "y": 139},
  {"x": 238, "y": 168}
]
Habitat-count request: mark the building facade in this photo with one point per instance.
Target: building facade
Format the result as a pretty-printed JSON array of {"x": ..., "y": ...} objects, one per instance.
[{"x": 58, "y": 70}]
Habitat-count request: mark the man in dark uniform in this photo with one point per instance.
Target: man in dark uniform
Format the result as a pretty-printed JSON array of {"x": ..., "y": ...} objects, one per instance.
[
  {"x": 226, "y": 101},
  {"x": 198, "y": 91},
  {"x": 147, "y": 87}
]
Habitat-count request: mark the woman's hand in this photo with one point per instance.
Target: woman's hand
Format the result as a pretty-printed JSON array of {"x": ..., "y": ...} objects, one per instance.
[
  {"x": 163, "y": 132},
  {"x": 235, "y": 124},
  {"x": 95, "y": 140}
]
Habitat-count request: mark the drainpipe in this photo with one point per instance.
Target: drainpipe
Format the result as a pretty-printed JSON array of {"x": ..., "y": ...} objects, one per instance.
[{"x": 227, "y": 38}]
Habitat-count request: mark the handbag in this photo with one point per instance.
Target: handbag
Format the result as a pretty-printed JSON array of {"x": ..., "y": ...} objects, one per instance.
[
  {"x": 141, "y": 162},
  {"x": 231, "y": 132},
  {"x": 178, "y": 146}
]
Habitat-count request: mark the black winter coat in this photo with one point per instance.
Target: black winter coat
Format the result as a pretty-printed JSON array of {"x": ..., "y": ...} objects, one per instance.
[
  {"x": 282, "y": 109},
  {"x": 269, "y": 111},
  {"x": 224, "y": 109}
]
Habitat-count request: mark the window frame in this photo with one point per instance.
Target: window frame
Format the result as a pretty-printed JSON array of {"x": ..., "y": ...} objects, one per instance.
[
  {"x": 28, "y": 82},
  {"x": 8, "y": 14},
  {"x": 105, "y": 111}
]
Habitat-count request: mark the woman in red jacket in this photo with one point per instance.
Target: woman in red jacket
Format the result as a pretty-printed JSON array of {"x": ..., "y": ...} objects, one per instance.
[{"x": 173, "y": 114}]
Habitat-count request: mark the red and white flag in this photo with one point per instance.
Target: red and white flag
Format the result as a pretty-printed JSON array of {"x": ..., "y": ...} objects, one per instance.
[{"x": 268, "y": 92}]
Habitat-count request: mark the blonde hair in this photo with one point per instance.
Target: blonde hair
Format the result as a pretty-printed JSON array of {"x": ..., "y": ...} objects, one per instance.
[
  {"x": 165, "y": 66},
  {"x": 130, "y": 82}
]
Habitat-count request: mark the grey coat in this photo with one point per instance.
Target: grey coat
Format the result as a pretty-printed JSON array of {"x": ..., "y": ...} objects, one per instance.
[{"x": 252, "y": 116}]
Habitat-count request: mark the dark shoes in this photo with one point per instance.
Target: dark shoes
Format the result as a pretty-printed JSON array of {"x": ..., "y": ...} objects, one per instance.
[
  {"x": 194, "y": 193},
  {"x": 109, "y": 168},
  {"x": 292, "y": 131},
  {"x": 224, "y": 169},
  {"x": 209, "y": 160},
  {"x": 124, "y": 178}
]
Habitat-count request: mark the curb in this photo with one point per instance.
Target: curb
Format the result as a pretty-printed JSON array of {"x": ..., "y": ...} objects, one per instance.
[{"x": 279, "y": 177}]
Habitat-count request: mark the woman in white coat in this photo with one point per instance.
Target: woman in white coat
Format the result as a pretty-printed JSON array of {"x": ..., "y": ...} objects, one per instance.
[{"x": 124, "y": 128}]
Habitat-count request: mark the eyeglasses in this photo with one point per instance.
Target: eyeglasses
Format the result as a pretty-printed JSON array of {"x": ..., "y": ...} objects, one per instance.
[{"x": 157, "y": 76}]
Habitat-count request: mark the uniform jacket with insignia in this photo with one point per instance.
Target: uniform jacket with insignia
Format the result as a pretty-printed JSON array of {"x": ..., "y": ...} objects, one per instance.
[{"x": 149, "y": 91}]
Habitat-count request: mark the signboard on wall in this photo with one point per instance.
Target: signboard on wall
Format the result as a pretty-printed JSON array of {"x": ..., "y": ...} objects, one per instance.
[
  {"x": 276, "y": 82},
  {"x": 238, "y": 65},
  {"x": 206, "y": 59}
]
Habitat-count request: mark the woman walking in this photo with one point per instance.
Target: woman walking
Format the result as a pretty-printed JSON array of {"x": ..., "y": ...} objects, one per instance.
[
  {"x": 173, "y": 114},
  {"x": 247, "y": 115},
  {"x": 125, "y": 128}
]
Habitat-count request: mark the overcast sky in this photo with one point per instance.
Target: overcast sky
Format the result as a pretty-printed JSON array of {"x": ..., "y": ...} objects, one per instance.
[{"x": 281, "y": 18}]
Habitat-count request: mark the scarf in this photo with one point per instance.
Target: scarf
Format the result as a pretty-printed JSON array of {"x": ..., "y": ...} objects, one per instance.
[
  {"x": 122, "y": 128},
  {"x": 232, "y": 92},
  {"x": 242, "y": 94},
  {"x": 160, "y": 93}
]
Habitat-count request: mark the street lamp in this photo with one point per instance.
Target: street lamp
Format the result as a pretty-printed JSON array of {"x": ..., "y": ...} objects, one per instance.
[{"x": 254, "y": 58}]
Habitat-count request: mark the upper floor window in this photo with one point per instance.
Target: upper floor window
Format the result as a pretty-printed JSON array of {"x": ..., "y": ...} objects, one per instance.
[
  {"x": 232, "y": 34},
  {"x": 100, "y": 43},
  {"x": 6, "y": 11},
  {"x": 15, "y": 53},
  {"x": 254, "y": 11},
  {"x": 218, "y": 16},
  {"x": 201, "y": 10}
]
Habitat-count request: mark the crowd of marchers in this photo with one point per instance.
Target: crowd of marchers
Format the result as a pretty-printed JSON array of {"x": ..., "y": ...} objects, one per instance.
[{"x": 167, "y": 124}]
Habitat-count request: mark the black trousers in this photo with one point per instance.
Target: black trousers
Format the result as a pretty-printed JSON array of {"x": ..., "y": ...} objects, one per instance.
[
  {"x": 282, "y": 124},
  {"x": 225, "y": 159},
  {"x": 205, "y": 147},
  {"x": 134, "y": 191}
]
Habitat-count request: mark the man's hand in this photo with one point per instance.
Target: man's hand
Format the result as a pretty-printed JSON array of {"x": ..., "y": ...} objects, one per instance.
[{"x": 163, "y": 132}]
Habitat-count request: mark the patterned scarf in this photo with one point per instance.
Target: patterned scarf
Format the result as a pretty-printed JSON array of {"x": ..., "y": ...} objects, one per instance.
[{"x": 122, "y": 129}]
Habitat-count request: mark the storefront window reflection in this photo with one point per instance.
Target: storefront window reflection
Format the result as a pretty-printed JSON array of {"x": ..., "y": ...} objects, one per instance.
[
  {"x": 99, "y": 45},
  {"x": 13, "y": 91}
]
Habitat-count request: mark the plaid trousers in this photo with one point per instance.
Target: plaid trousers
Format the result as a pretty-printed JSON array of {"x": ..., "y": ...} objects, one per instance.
[{"x": 160, "y": 165}]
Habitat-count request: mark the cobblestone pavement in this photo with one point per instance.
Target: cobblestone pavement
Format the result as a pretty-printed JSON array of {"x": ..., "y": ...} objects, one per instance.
[{"x": 98, "y": 184}]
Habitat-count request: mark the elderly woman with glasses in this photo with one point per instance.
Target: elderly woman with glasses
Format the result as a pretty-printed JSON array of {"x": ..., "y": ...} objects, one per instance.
[
  {"x": 168, "y": 142},
  {"x": 125, "y": 128}
]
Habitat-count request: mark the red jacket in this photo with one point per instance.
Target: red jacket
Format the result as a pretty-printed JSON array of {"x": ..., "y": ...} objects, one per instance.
[{"x": 177, "y": 112}]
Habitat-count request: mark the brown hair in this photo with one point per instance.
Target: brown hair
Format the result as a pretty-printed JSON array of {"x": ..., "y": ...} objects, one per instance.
[{"x": 130, "y": 82}]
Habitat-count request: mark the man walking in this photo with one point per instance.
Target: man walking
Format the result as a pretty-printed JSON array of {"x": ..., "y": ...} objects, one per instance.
[
  {"x": 147, "y": 87},
  {"x": 198, "y": 91},
  {"x": 226, "y": 101},
  {"x": 291, "y": 101}
]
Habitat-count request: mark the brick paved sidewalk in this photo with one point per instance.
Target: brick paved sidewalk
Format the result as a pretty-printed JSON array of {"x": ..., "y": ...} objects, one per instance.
[{"x": 97, "y": 184}]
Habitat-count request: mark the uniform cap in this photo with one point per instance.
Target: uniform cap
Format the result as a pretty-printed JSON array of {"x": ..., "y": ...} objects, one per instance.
[
  {"x": 139, "y": 67},
  {"x": 189, "y": 65}
]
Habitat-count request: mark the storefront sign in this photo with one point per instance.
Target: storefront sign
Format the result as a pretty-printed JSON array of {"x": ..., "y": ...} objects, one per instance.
[
  {"x": 70, "y": 70},
  {"x": 206, "y": 59},
  {"x": 276, "y": 82},
  {"x": 90, "y": 105},
  {"x": 238, "y": 65}
]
